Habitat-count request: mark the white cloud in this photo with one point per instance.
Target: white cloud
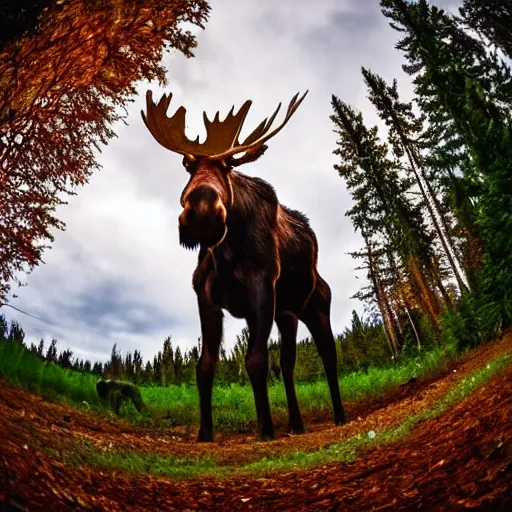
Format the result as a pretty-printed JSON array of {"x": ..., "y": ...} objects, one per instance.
[{"x": 118, "y": 274}]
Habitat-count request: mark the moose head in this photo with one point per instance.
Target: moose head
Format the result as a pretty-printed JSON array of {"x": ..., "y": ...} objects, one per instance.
[
  {"x": 209, "y": 193},
  {"x": 257, "y": 258}
]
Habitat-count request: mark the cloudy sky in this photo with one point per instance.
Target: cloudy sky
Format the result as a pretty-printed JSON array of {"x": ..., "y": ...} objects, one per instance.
[{"x": 117, "y": 274}]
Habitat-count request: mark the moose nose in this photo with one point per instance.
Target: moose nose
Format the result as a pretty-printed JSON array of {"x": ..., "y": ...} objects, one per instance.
[{"x": 182, "y": 219}]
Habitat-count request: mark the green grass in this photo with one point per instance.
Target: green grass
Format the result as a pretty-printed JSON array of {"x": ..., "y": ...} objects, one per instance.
[
  {"x": 182, "y": 467},
  {"x": 85, "y": 453},
  {"x": 24, "y": 369},
  {"x": 233, "y": 406}
]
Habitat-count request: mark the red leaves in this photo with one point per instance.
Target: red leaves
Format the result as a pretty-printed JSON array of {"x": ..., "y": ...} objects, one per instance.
[{"x": 60, "y": 93}]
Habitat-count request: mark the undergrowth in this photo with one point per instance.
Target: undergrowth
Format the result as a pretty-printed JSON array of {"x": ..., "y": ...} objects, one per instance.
[
  {"x": 347, "y": 450},
  {"x": 233, "y": 405}
]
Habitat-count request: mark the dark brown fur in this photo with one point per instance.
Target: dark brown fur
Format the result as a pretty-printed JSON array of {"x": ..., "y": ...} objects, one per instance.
[
  {"x": 117, "y": 392},
  {"x": 263, "y": 269}
]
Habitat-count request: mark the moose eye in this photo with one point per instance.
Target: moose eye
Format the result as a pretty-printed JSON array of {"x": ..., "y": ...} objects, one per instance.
[{"x": 188, "y": 164}]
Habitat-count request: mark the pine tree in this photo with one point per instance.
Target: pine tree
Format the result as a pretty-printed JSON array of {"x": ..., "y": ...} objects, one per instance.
[
  {"x": 129, "y": 372},
  {"x": 404, "y": 126},
  {"x": 51, "y": 353},
  {"x": 64, "y": 359},
  {"x": 381, "y": 207},
  {"x": 40, "y": 349},
  {"x": 16, "y": 333},
  {"x": 454, "y": 76},
  {"x": 97, "y": 368},
  {"x": 157, "y": 369},
  {"x": 492, "y": 19},
  {"x": 377, "y": 293},
  {"x": 149, "y": 377},
  {"x": 178, "y": 365},
  {"x": 114, "y": 368},
  {"x": 168, "y": 373},
  {"x": 138, "y": 366}
]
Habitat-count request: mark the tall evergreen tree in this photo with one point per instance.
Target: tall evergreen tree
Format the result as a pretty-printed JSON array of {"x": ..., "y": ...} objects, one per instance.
[
  {"x": 114, "y": 368},
  {"x": 40, "y": 349},
  {"x": 492, "y": 19},
  {"x": 377, "y": 293},
  {"x": 148, "y": 373},
  {"x": 64, "y": 359},
  {"x": 157, "y": 369},
  {"x": 381, "y": 206},
  {"x": 404, "y": 127},
  {"x": 454, "y": 76},
  {"x": 138, "y": 366},
  {"x": 51, "y": 353},
  {"x": 168, "y": 373},
  {"x": 178, "y": 365},
  {"x": 97, "y": 368}
]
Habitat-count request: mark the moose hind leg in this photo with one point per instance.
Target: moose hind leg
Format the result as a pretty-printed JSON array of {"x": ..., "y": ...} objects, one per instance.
[
  {"x": 211, "y": 330},
  {"x": 287, "y": 325},
  {"x": 316, "y": 316}
]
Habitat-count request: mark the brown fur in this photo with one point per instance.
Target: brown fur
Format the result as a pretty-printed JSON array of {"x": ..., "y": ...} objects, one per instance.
[{"x": 257, "y": 260}]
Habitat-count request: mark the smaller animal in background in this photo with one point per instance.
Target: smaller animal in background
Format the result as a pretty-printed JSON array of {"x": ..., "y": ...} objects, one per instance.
[
  {"x": 276, "y": 370},
  {"x": 118, "y": 392}
]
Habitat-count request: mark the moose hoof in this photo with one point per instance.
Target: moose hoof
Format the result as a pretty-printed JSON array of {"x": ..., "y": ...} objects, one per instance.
[
  {"x": 299, "y": 429},
  {"x": 340, "y": 421},
  {"x": 296, "y": 428},
  {"x": 205, "y": 437},
  {"x": 267, "y": 436}
]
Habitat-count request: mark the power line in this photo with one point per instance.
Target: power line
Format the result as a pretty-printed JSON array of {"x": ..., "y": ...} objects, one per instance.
[{"x": 21, "y": 311}]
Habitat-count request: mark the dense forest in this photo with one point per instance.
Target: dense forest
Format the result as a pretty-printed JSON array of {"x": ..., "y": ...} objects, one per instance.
[
  {"x": 432, "y": 196},
  {"x": 358, "y": 348}
]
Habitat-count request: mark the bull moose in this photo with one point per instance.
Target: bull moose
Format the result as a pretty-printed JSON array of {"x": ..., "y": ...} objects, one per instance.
[{"x": 257, "y": 258}]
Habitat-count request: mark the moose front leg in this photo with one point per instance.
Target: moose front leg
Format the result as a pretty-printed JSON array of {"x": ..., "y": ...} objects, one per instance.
[
  {"x": 211, "y": 330},
  {"x": 259, "y": 321}
]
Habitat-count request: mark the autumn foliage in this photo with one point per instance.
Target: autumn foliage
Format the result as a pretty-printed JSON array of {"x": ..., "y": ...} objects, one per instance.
[{"x": 62, "y": 87}]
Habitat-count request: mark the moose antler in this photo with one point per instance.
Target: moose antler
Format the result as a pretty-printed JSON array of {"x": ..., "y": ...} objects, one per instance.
[{"x": 221, "y": 136}]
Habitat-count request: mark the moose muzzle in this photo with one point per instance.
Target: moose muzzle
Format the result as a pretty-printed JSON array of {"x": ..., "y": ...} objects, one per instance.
[{"x": 202, "y": 222}]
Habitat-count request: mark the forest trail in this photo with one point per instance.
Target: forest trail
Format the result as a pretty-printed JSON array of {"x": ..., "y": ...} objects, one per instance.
[{"x": 460, "y": 460}]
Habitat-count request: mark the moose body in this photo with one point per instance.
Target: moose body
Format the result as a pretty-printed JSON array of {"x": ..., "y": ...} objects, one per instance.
[
  {"x": 265, "y": 241},
  {"x": 257, "y": 260}
]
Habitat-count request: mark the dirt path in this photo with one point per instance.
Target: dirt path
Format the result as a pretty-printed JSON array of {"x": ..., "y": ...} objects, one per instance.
[{"x": 461, "y": 460}]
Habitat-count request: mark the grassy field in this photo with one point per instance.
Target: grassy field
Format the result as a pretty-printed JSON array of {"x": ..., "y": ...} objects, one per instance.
[
  {"x": 233, "y": 406},
  {"x": 178, "y": 466}
]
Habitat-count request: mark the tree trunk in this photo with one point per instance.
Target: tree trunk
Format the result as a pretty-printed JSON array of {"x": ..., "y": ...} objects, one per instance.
[
  {"x": 439, "y": 282},
  {"x": 427, "y": 298},
  {"x": 417, "y": 336},
  {"x": 429, "y": 196},
  {"x": 385, "y": 310}
]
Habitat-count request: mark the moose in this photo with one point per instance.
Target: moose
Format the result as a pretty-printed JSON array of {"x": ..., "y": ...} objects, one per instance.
[{"x": 257, "y": 258}]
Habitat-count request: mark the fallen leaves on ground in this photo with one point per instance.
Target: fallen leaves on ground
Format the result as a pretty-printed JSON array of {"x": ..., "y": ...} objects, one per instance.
[{"x": 461, "y": 460}]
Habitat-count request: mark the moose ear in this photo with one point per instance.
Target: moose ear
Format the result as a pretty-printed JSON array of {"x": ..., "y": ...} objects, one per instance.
[{"x": 189, "y": 163}]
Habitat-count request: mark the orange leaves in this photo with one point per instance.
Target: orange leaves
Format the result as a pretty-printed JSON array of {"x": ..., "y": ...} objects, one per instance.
[{"x": 60, "y": 93}]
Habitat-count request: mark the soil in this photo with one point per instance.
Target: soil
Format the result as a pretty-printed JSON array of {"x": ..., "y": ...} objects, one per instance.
[{"x": 461, "y": 460}]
